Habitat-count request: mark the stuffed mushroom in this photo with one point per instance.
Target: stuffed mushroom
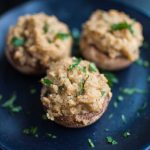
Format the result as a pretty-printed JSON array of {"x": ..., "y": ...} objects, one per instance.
[
  {"x": 74, "y": 93},
  {"x": 111, "y": 39},
  {"x": 37, "y": 40}
]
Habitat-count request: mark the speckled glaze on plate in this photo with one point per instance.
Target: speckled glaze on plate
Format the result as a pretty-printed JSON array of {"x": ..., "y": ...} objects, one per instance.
[{"x": 11, "y": 126}]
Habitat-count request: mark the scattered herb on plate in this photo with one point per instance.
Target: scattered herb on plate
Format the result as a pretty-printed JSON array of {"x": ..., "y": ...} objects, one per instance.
[
  {"x": 115, "y": 104},
  {"x": 91, "y": 143},
  {"x": 16, "y": 41},
  {"x": 130, "y": 91},
  {"x": 142, "y": 62},
  {"x": 106, "y": 129},
  {"x": 122, "y": 26},
  {"x": 145, "y": 45},
  {"x": 110, "y": 116},
  {"x": 31, "y": 131},
  {"x": 51, "y": 136},
  {"x": 123, "y": 118},
  {"x": 46, "y": 81},
  {"x": 142, "y": 108},
  {"x": 62, "y": 36},
  {"x": 1, "y": 97},
  {"x": 9, "y": 104},
  {"x": 76, "y": 62},
  {"x": 148, "y": 79},
  {"x": 111, "y": 141},
  {"x": 92, "y": 67},
  {"x": 32, "y": 91},
  {"x": 126, "y": 134},
  {"x": 120, "y": 98}
]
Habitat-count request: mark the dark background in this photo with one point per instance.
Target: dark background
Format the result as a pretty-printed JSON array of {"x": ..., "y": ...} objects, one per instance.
[{"x": 143, "y": 5}]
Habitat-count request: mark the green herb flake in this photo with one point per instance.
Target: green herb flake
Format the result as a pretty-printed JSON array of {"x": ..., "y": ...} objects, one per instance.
[
  {"x": 9, "y": 104},
  {"x": 1, "y": 97},
  {"x": 143, "y": 107},
  {"x": 83, "y": 69},
  {"x": 122, "y": 26},
  {"x": 51, "y": 136},
  {"x": 142, "y": 62},
  {"x": 62, "y": 36},
  {"x": 115, "y": 104},
  {"x": 106, "y": 129},
  {"x": 126, "y": 134},
  {"x": 44, "y": 117},
  {"x": 32, "y": 91},
  {"x": 92, "y": 67},
  {"x": 45, "y": 27},
  {"x": 111, "y": 141},
  {"x": 103, "y": 93},
  {"x": 81, "y": 87},
  {"x": 112, "y": 79},
  {"x": 110, "y": 116},
  {"x": 130, "y": 91},
  {"x": 123, "y": 118},
  {"x": 31, "y": 131},
  {"x": 120, "y": 98},
  {"x": 145, "y": 45},
  {"x": 76, "y": 62},
  {"x": 46, "y": 81},
  {"x": 91, "y": 143},
  {"x": 16, "y": 42}
]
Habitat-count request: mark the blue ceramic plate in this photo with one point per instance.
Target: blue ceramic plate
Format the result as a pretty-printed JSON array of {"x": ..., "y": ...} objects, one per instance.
[{"x": 11, "y": 125}]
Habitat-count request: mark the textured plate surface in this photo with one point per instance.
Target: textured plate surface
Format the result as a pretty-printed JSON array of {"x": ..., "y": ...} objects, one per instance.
[{"x": 11, "y": 126}]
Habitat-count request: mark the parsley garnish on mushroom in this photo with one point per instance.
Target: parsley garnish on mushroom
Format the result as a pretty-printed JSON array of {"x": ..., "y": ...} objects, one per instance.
[
  {"x": 76, "y": 62},
  {"x": 62, "y": 36},
  {"x": 46, "y": 81},
  {"x": 45, "y": 27},
  {"x": 17, "y": 41},
  {"x": 122, "y": 26},
  {"x": 31, "y": 131},
  {"x": 92, "y": 67}
]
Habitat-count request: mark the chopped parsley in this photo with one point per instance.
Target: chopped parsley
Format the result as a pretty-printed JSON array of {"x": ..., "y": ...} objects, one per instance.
[
  {"x": 81, "y": 87},
  {"x": 111, "y": 141},
  {"x": 123, "y": 118},
  {"x": 16, "y": 42},
  {"x": 92, "y": 67},
  {"x": 91, "y": 143},
  {"x": 83, "y": 69},
  {"x": 145, "y": 45},
  {"x": 143, "y": 107},
  {"x": 1, "y": 96},
  {"x": 51, "y": 136},
  {"x": 32, "y": 91},
  {"x": 120, "y": 98},
  {"x": 148, "y": 79},
  {"x": 130, "y": 91},
  {"x": 9, "y": 104},
  {"x": 31, "y": 131},
  {"x": 126, "y": 134},
  {"x": 122, "y": 26},
  {"x": 103, "y": 93},
  {"x": 76, "y": 62},
  {"x": 106, "y": 129},
  {"x": 110, "y": 116},
  {"x": 115, "y": 104},
  {"x": 142, "y": 62},
  {"x": 62, "y": 36},
  {"x": 45, "y": 27},
  {"x": 46, "y": 81},
  {"x": 44, "y": 117},
  {"x": 112, "y": 79}
]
